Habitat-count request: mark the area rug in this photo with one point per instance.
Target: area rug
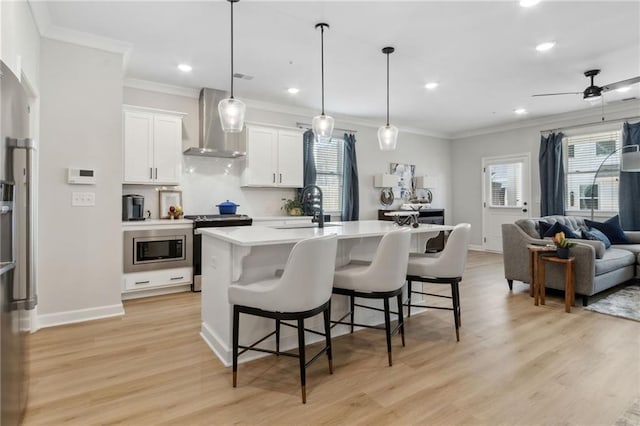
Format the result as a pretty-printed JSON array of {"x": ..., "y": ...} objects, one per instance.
[
  {"x": 631, "y": 417},
  {"x": 623, "y": 303}
]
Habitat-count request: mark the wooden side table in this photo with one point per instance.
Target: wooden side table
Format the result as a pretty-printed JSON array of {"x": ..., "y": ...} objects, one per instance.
[
  {"x": 569, "y": 293},
  {"x": 535, "y": 252}
]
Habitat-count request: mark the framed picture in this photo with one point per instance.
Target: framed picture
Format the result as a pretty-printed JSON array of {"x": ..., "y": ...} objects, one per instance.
[
  {"x": 167, "y": 199},
  {"x": 405, "y": 173}
]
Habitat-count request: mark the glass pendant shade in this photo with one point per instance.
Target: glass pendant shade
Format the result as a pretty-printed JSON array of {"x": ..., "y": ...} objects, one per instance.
[
  {"x": 387, "y": 137},
  {"x": 231, "y": 112},
  {"x": 322, "y": 126}
]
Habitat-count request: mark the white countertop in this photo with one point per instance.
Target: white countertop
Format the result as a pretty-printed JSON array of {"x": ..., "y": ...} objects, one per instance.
[
  {"x": 278, "y": 218},
  {"x": 263, "y": 235},
  {"x": 156, "y": 222}
]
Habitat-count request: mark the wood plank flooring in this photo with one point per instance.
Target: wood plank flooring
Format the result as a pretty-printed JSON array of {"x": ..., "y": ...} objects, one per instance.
[{"x": 515, "y": 364}]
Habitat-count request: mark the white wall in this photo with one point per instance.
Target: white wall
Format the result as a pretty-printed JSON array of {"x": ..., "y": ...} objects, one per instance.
[
  {"x": 467, "y": 154},
  {"x": 80, "y": 250},
  {"x": 208, "y": 181}
]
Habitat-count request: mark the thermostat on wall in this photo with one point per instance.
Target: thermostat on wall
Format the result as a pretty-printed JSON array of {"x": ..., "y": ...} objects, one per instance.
[{"x": 81, "y": 176}]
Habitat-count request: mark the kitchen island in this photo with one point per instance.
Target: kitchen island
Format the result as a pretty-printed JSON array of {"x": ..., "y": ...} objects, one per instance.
[{"x": 241, "y": 255}]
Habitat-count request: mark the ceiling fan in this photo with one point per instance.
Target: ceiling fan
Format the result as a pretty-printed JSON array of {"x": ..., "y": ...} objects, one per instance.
[{"x": 594, "y": 92}]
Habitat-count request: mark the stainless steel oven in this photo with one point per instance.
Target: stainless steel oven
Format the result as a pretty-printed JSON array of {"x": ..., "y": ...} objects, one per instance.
[{"x": 157, "y": 249}]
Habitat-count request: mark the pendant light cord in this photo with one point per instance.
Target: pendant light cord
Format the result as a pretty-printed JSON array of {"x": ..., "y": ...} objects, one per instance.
[
  {"x": 231, "y": 49},
  {"x": 322, "y": 63},
  {"x": 387, "y": 89}
]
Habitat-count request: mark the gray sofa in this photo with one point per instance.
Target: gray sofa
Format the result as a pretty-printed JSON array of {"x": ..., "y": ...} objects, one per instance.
[{"x": 596, "y": 268}]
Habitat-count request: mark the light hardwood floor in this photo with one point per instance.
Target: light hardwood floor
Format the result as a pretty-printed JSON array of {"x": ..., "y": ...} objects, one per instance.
[{"x": 515, "y": 364}]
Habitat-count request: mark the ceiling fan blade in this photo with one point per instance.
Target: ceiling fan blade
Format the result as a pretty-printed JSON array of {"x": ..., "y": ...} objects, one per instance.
[
  {"x": 619, "y": 84},
  {"x": 554, "y": 94}
]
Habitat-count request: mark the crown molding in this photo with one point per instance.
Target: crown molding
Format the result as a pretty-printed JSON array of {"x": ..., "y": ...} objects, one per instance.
[
  {"x": 42, "y": 18},
  {"x": 153, "y": 86},
  {"x": 556, "y": 120}
]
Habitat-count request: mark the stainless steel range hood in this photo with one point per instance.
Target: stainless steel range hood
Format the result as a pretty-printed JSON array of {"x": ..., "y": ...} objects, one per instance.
[{"x": 214, "y": 142}]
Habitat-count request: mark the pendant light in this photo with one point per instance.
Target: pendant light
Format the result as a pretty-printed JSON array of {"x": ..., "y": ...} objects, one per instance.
[
  {"x": 322, "y": 124},
  {"x": 387, "y": 135},
  {"x": 231, "y": 110}
]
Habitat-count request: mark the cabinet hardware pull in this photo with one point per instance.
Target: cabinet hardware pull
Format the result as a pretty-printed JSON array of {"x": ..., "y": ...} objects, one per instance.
[
  {"x": 150, "y": 172},
  {"x": 156, "y": 173},
  {"x": 280, "y": 177},
  {"x": 176, "y": 278},
  {"x": 274, "y": 178},
  {"x": 142, "y": 282}
]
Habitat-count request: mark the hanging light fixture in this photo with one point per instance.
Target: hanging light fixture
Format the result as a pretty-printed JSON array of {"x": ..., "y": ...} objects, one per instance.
[
  {"x": 322, "y": 124},
  {"x": 231, "y": 110},
  {"x": 387, "y": 135}
]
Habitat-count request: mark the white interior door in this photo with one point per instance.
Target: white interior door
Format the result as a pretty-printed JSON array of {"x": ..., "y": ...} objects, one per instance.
[{"x": 506, "y": 195}]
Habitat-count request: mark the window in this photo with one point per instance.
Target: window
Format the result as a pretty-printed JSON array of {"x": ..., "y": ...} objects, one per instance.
[
  {"x": 329, "y": 156},
  {"x": 585, "y": 153},
  {"x": 506, "y": 185}
]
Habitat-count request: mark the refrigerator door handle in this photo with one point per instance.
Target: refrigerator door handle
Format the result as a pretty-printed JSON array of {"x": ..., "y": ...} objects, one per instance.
[{"x": 28, "y": 144}]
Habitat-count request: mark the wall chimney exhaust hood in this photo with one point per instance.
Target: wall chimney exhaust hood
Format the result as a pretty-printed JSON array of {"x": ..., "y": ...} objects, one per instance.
[{"x": 214, "y": 142}]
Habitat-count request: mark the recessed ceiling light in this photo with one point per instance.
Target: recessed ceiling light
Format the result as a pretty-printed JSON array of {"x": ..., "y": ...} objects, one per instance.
[
  {"x": 184, "y": 67},
  {"x": 431, "y": 85},
  {"x": 293, "y": 90},
  {"x": 623, "y": 89},
  {"x": 543, "y": 47},
  {"x": 528, "y": 3},
  {"x": 520, "y": 111}
]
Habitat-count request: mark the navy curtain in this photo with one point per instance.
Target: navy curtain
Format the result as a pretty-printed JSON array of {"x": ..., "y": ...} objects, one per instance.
[
  {"x": 350, "y": 193},
  {"x": 629, "y": 189},
  {"x": 551, "y": 175}
]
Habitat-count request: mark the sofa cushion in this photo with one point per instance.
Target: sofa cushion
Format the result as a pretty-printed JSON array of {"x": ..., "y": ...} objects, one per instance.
[
  {"x": 633, "y": 248},
  {"x": 594, "y": 234},
  {"x": 529, "y": 226},
  {"x": 598, "y": 246},
  {"x": 611, "y": 228},
  {"x": 552, "y": 230},
  {"x": 573, "y": 222},
  {"x": 613, "y": 260}
]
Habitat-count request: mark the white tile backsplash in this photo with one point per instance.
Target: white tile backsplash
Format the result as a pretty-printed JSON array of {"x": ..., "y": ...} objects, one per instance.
[{"x": 208, "y": 181}]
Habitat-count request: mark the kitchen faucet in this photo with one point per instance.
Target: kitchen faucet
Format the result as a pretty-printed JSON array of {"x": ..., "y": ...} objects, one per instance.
[{"x": 313, "y": 194}]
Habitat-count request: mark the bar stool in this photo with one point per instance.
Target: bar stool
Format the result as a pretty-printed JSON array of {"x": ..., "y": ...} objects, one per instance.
[
  {"x": 383, "y": 278},
  {"x": 303, "y": 291},
  {"x": 445, "y": 267}
]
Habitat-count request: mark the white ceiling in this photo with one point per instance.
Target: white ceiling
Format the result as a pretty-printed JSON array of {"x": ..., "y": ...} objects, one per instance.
[{"x": 482, "y": 53}]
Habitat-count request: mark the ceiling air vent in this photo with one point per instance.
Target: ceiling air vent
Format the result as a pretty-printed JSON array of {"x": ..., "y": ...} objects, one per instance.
[{"x": 242, "y": 76}]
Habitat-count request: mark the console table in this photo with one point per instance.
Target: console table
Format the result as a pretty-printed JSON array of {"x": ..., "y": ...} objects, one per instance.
[{"x": 433, "y": 216}]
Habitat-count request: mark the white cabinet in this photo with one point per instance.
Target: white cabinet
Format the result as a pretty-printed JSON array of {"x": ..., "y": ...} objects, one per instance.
[
  {"x": 152, "y": 146},
  {"x": 136, "y": 281},
  {"x": 274, "y": 157}
]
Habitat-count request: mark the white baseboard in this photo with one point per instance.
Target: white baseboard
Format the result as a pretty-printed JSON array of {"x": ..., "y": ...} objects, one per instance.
[
  {"x": 80, "y": 315},
  {"x": 475, "y": 247},
  {"x": 155, "y": 292}
]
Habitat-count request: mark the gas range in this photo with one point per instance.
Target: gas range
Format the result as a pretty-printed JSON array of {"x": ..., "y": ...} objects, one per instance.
[{"x": 219, "y": 220}]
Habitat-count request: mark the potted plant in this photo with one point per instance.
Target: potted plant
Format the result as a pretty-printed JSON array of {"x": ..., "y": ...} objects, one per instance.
[
  {"x": 562, "y": 245},
  {"x": 292, "y": 207}
]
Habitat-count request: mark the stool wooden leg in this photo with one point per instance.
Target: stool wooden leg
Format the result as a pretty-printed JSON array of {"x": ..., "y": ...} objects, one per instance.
[
  {"x": 409, "y": 295},
  {"x": 387, "y": 326},
  {"x": 327, "y": 336},
  {"x": 401, "y": 318},
  {"x": 277, "y": 337},
  {"x": 236, "y": 326},
  {"x": 352, "y": 305},
  {"x": 540, "y": 283},
  {"x": 532, "y": 273},
  {"x": 303, "y": 379}
]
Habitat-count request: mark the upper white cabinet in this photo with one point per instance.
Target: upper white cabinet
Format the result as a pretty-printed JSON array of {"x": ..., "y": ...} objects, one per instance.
[
  {"x": 274, "y": 157},
  {"x": 152, "y": 146}
]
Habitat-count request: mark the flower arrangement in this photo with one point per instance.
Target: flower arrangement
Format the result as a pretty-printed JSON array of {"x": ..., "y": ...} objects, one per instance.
[
  {"x": 561, "y": 242},
  {"x": 293, "y": 207}
]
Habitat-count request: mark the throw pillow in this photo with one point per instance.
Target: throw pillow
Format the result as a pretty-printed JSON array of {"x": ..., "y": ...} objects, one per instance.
[
  {"x": 558, "y": 227},
  {"x": 611, "y": 228},
  {"x": 594, "y": 234},
  {"x": 543, "y": 227}
]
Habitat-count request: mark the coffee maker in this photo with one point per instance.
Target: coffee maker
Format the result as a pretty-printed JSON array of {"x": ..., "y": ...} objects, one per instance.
[{"x": 132, "y": 207}]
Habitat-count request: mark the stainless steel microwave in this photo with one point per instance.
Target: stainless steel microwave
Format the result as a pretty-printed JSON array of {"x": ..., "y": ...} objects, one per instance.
[{"x": 149, "y": 250}]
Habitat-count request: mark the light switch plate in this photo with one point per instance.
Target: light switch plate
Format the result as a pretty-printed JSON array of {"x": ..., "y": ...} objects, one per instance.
[{"x": 83, "y": 199}]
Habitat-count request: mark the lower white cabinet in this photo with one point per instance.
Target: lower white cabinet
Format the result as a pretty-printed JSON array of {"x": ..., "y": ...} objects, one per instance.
[{"x": 136, "y": 281}]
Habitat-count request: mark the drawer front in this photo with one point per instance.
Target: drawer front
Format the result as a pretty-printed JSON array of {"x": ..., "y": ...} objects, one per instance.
[{"x": 155, "y": 279}]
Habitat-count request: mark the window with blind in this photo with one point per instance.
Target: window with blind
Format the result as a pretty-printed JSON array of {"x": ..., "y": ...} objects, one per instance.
[
  {"x": 584, "y": 154},
  {"x": 329, "y": 155}
]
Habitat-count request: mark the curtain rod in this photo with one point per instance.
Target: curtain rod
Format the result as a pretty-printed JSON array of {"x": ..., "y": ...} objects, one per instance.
[
  {"x": 308, "y": 126},
  {"x": 577, "y": 126}
]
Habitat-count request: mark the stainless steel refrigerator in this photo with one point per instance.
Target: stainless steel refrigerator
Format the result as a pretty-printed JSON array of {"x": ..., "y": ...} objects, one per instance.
[{"x": 17, "y": 295}]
